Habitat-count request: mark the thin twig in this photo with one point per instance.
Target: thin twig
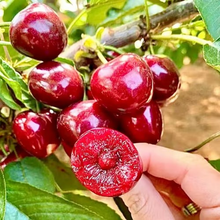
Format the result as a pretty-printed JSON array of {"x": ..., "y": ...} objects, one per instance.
[{"x": 211, "y": 138}]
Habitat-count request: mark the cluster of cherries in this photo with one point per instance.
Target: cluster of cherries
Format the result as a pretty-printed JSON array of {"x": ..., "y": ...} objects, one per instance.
[{"x": 98, "y": 134}]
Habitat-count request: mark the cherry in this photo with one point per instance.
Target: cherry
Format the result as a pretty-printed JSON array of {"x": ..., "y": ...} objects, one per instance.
[
  {"x": 106, "y": 162},
  {"x": 67, "y": 148},
  {"x": 56, "y": 84},
  {"x": 89, "y": 93},
  {"x": 123, "y": 84},
  {"x": 112, "y": 54},
  {"x": 38, "y": 32},
  {"x": 166, "y": 78},
  {"x": 12, "y": 157},
  {"x": 36, "y": 132},
  {"x": 145, "y": 125},
  {"x": 80, "y": 117}
]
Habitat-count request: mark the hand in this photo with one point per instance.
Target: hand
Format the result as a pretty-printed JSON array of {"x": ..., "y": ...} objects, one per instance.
[{"x": 172, "y": 180}]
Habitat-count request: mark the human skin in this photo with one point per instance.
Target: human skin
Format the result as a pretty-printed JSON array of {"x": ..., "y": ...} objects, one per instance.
[{"x": 171, "y": 180}]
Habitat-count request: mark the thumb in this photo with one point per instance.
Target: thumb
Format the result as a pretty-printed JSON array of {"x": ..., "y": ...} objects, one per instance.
[{"x": 144, "y": 202}]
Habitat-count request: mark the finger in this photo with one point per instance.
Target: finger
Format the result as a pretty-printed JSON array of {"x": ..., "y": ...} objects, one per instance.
[
  {"x": 197, "y": 178},
  {"x": 177, "y": 196},
  {"x": 177, "y": 211},
  {"x": 144, "y": 202}
]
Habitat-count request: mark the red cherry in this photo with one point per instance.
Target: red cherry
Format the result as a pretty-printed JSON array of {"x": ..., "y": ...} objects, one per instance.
[
  {"x": 106, "y": 162},
  {"x": 36, "y": 132},
  {"x": 89, "y": 93},
  {"x": 38, "y": 32},
  {"x": 12, "y": 157},
  {"x": 146, "y": 125},
  {"x": 123, "y": 84},
  {"x": 81, "y": 117},
  {"x": 67, "y": 148},
  {"x": 112, "y": 55},
  {"x": 166, "y": 78},
  {"x": 56, "y": 84}
]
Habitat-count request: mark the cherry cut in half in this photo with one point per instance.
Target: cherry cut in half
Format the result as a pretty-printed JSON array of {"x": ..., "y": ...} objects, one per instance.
[{"x": 106, "y": 162}]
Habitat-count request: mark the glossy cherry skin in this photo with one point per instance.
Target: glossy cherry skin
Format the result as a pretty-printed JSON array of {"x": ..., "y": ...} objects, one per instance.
[
  {"x": 106, "y": 162},
  {"x": 146, "y": 125},
  {"x": 166, "y": 78},
  {"x": 56, "y": 84},
  {"x": 36, "y": 132},
  {"x": 78, "y": 118},
  {"x": 123, "y": 84},
  {"x": 38, "y": 32}
]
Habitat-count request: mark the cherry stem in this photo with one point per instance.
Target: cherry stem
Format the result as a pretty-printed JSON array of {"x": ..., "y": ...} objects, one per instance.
[
  {"x": 212, "y": 137},
  {"x": 108, "y": 47},
  {"x": 37, "y": 107},
  {"x": 5, "y": 43},
  {"x": 5, "y": 24},
  {"x": 71, "y": 26},
  {"x": 183, "y": 37},
  {"x": 147, "y": 15},
  {"x": 101, "y": 57},
  {"x": 151, "y": 48}
]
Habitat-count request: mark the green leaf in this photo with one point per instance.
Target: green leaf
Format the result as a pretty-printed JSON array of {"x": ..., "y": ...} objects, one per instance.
[
  {"x": 17, "y": 84},
  {"x": 96, "y": 12},
  {"x": 32, "y": 171},
  {"x": 212, "y": 55},
  {"x": 41, "y": 205},
  {"x": 215, "y": 164},
  {"x": 2, "y": 195},
  {"x": 5, "y": 96},
  {"x": 12, "y": 213},
  {"x": 93, "y": 205},
  {"x": 63, "y": 175},
  {"x": 209, "y": 11},
  {"x": 12, "y": 8},
  {"x": 13, "y": 85},
  {"x": 65, "y": 60}
]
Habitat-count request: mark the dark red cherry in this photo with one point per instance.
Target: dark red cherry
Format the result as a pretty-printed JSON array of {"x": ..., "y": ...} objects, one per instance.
[
  {"x": 36, "y": 132},
  {"x": 38, "y": 32},
  {"x": 56, "y": 84},
  {"x": 106, "y": 162},
  {"x": 80, "y": 117},
  {"x": 166, "y": 78},
  {"x": 12, "y": 157},
  {"x": 89, "y": 93},
  {"x": 146, "y": 125},
  {"x": 122, "y": 85},
  {"x": 112, "y": 54},
  {"x": 67, "y": 148}
]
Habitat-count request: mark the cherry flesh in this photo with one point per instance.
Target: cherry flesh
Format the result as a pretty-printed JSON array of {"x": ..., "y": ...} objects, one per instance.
[
  {"x": 166, "y": 78},
  {"x": 146, "y": 125},
  {"x": 36, "y": 132},
  {"x": 106, "y": 162},
  {"x": 78, "y": 118},
  {"x": 38, "y": 32},
  {"x": 56, "y": 84},
  {"x": 123, "y": 84}
]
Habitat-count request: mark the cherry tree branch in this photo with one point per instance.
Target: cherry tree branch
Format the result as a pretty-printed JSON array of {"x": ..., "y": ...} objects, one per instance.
[{"x": 128, "y": 33}]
